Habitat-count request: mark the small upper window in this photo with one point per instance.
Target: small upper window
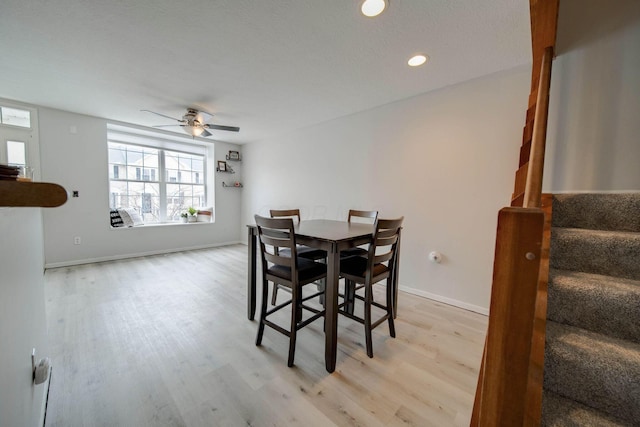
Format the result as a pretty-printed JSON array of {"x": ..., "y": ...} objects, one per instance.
[{"x": 15, "y": 117}]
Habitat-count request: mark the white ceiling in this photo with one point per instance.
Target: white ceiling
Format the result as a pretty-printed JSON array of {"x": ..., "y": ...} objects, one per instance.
[{"x": 267, "y": 66}]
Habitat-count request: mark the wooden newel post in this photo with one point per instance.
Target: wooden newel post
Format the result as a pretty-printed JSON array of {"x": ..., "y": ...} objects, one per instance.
[{"x": 503, "y": 383}]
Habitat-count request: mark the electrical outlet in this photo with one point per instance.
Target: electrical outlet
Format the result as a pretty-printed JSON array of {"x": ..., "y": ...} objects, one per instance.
[{"x": 77, "y": 240}]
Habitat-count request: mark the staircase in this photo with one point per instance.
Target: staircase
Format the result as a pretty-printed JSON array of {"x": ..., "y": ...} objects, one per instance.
[{"x": 592, "y": 354}]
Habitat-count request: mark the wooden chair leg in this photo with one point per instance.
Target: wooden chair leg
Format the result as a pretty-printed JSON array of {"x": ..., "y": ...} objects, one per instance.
[
  {"x": 294, "y": 323},
  {"x": 263, "y": 310},
  {"x": 367, "y": 319},
  {"x": 274, "y": 295},
  {"x": 349, "y": 295},
  {"x": 390, "y": 290}
]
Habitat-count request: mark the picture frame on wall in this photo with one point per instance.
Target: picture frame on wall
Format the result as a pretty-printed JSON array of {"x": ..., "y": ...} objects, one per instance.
[
  {"x": 234, "y": 155},
  {"x": 222, "y": 166}
]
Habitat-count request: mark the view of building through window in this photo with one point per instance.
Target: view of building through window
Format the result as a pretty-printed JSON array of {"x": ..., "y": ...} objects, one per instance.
[{"x": 160, "y": 184}]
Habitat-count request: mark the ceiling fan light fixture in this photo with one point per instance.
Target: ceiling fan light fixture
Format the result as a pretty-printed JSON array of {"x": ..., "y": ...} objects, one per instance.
[
  {"x": 373, "y": 8},
  {"x": 194, "y": 130}
]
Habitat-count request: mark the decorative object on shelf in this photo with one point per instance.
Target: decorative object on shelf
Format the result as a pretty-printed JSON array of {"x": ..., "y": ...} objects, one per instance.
[
  {"x": 192, "y": 214},
  {"x": 9, "y": 173},
  {"x": 205, "y": 214},
  {"x": 184, "y": 217},
  {"x": 233, "y": 155},
  {"x": 235, "y": 184},
  {"x": 26, "y": 174},
  {"x": 222, "y": 166}
]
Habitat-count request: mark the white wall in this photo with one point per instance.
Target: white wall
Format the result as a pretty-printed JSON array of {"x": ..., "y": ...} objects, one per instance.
[
  {"x": 445, "y": 160},
  {"x": 594, "y": 119},
  {"x": 22, "y": 316},
  {"x": 78, "y": 161}
]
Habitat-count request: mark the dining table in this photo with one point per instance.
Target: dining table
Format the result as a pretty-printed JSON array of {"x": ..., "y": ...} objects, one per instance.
[{"x": 333, "y": 237}]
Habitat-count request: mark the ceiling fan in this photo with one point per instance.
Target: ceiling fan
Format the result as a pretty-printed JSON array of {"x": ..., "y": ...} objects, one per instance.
[{"x": 194, "y": 122}]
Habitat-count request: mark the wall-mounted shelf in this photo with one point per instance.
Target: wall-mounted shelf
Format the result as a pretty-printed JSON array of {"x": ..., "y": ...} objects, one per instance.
[
  {"x": 31, "y": 194},
  {"x": 224, "y": 184},
  {"x": 234, "y": 156},
  {"x": 227, "y": 171}
]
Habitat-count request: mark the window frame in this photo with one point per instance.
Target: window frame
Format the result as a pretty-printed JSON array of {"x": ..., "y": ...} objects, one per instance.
[{"x": 161, "y": 180}]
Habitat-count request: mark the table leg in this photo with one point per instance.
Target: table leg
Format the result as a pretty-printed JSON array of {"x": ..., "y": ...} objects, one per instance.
[
  {"x": 251, "y": 274},
  {"x": 331, "y": 306}
]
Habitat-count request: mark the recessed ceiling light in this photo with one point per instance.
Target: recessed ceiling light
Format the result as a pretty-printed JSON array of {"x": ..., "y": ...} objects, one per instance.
[
  {"x": 417, "y": 60},
  {"x": 373, "y": 8}
]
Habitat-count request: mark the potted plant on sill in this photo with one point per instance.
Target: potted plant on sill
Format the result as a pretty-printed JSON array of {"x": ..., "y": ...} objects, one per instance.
[
  {"x": 184, "y": 217},
  {"x": 192, "y": 214}
]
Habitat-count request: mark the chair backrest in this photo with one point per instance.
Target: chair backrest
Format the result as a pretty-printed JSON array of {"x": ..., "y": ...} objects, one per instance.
[
  {"x": 285, "y": 213},
  {"x": 362, "y": 214},
  {"x": 384, "y": 246},
  {"x": 275, "y": 234}
]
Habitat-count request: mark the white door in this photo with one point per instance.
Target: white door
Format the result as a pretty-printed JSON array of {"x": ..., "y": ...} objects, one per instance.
[{"x": 19, "y": 137}]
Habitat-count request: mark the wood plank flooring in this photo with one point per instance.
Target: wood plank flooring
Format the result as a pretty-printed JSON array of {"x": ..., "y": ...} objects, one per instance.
[{"x": 164, "y": 341}]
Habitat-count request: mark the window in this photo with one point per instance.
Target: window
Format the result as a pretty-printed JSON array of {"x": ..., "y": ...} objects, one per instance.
[
  {"x": 16, "y": 153},
  {"x": 159, "y": 183},
  {"x": 15, "y": 117}
]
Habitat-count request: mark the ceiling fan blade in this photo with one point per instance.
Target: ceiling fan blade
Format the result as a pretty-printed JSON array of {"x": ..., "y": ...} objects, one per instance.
[
  {"x": 203, "y": 116},
  {"x": 165, "y": 126},
  {"x": 205, "y": 133},
  {"x": 162, "y": 115},
  {"x": 220, "y": 127}
]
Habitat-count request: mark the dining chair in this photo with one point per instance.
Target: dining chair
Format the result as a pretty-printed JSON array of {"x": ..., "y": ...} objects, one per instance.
[
  {"x": 293, "y": 272},
  {"x": 358, "y": 214},
  {"x": 379, "y": 265},
  {"x": 303, "y": 251}
]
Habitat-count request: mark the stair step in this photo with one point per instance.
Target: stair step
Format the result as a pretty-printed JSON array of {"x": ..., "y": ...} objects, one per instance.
[
  {"x": 595, "y": 370},
  {"x": 611, "y": 253},
  {"x": 619, "y": 212},
  {"x": 560, "y": 412},
  {"x": 603, "y": 304}
]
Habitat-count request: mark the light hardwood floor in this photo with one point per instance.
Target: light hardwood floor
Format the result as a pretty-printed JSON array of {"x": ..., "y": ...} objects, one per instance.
[{"x": 164, "y": 341}]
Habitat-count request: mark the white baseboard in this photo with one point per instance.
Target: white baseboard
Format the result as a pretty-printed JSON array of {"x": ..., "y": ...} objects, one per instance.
[
  {"x": 445, "y": 300},
  {"x": 134, "y": 255}
]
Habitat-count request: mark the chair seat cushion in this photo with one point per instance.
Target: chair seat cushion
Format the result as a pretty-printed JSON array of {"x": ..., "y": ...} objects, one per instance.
[
  {"x": 307, "y": 269},
  {"x": 357, "y": 266},
  {"x": 354, "y": 252},
  {"x": 305, "y": 252}
]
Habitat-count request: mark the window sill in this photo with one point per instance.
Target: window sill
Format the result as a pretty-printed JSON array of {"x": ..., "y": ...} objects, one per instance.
[{"x": 164, "y": 224}]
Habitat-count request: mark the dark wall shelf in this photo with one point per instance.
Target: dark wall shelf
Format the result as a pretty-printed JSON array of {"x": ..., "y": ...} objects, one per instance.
[{"x": 224, "y": 184}]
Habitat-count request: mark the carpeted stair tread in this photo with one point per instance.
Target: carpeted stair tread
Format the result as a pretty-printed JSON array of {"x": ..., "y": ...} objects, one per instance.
[
  {"x": 611, "y": 253},
  {"x": 619, "y": 212},
  {"x": 603, "y": 304},
  {"x": 560, "y": 412},
  {"x": 594, "y": 370}
]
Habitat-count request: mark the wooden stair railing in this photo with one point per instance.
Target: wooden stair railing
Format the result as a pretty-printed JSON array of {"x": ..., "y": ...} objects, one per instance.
[
  {"x": 31, "y": 194},
  {"x": 509, "y": 391}
]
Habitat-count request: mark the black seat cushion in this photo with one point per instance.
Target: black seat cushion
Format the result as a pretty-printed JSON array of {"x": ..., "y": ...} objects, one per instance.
[
  {"x": 357, "y": 266},
  {"x": 305, "y": 252},
  {"x": 307, "y": 269},
  {"x": 354, "y": 252}
]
